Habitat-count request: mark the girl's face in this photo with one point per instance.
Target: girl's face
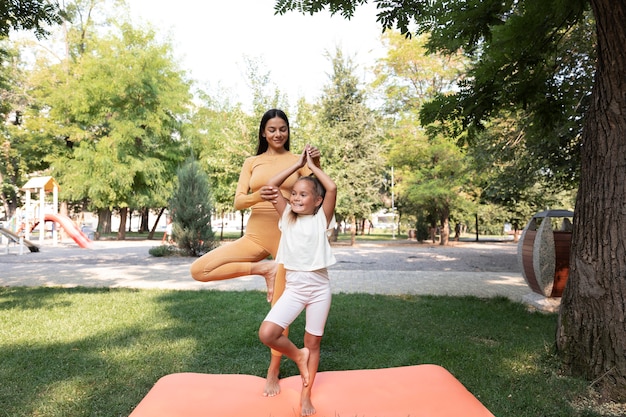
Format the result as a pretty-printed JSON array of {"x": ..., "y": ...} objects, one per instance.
[
  {"x": 276, "y": 132},
  {"x": 303, "y": 199}
]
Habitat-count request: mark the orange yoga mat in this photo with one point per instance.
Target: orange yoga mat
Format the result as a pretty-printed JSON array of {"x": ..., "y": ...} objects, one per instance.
[{"x": 415, "y": 391}]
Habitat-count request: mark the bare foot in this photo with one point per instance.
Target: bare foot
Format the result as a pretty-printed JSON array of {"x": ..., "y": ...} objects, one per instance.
[
  {"x": 268, "y": 271},
  {"x": 303, "y": 365},
  {"x": 306, "y": 406},
  {"x": 272, "y": 387}
]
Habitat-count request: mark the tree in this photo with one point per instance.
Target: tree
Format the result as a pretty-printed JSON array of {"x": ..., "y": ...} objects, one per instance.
[
  {"x": 33, "y": 15},
  {"x": 515, "y": 46},
  {"x": 409, "y": 76},
  {"x": 191, "y": 211},
  {"x": 508, "y": 173},
  {"x": 114, "y": 108},
  {"x": 12, "y": 169},
  {"x": 222, "y": 137},
  {"x": 351, "y": 143},
  {"x": 431, "y": 169}
]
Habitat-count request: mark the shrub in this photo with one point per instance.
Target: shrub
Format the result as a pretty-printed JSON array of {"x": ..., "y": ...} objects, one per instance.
[{"x": 191, "y": 208}]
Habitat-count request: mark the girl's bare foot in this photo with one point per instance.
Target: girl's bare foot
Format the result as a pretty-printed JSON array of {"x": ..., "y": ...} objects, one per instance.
[
  {"x": 272, "y": 387},
  {"x": 306, "y": 406},
  {"x": 303, "y": 365}
]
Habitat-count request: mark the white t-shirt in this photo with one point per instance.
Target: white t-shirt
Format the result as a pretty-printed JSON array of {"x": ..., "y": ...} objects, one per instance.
[{"x": 304, "y": 243}]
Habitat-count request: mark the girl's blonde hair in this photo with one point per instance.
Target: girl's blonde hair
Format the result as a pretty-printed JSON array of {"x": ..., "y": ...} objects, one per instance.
[{"x": 318, "y": 190}]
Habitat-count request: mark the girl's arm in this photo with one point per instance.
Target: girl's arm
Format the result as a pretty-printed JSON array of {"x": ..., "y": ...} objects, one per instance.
[
  {"x": 330, "y": 199},
  {"x": 280, "y": 202}
]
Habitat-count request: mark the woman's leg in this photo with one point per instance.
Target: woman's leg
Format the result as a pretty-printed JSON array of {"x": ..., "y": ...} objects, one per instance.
[
  {"x": 272, "y": 387},
  {"x": 228, "y": 261}
]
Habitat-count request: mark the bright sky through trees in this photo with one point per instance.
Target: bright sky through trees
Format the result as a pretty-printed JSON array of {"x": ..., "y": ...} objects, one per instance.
[{"x": 213, "y": 38}]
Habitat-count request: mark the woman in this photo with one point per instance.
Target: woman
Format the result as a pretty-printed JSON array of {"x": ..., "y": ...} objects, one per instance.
[{"x": 240, "y": 258}]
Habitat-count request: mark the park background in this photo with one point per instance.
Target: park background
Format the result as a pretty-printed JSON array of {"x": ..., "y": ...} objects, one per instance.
[
  {"x": 105, "y": 106},
  {"x": 419, "y": 142}
]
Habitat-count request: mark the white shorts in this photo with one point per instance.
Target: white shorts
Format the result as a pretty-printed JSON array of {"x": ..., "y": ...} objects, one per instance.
[{"x": 304, "y": 289}]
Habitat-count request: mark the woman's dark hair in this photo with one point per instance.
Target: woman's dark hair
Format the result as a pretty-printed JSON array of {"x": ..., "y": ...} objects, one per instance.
[{"x": 270, "y": 114}]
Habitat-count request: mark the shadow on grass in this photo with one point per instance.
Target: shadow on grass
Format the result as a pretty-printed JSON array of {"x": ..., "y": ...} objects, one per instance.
[{"x": 97, "y": 352}]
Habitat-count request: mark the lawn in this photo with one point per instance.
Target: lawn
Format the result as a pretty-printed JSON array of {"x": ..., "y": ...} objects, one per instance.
[{"x": 96, "y": 352}]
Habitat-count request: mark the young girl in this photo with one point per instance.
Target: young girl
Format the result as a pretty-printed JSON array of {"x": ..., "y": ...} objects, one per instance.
[{"x": 305, "y": 252}]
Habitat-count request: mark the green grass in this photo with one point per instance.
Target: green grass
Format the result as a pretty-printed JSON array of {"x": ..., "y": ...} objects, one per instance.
[{"x": 97, "y": 352}]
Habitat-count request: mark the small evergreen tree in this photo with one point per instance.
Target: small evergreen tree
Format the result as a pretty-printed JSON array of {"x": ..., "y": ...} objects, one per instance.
[{"x": 191, "y": 211}]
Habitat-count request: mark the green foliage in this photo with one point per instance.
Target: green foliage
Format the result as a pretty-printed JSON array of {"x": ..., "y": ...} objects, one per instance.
[
  {"x": 344, "y": 7},
  {"x": 33, "y": 15},
  {"x": 191, "y": 209},
  {"x": 432, "y": 179},
  {"x": 408, "y": 75},
  {"x": 114, "y": 112},
  {"x": 351, "y": 143},
  {"x": 17, "y": 158},
  {"x": 163, "y": 250},
  {"x": 222, "y": 137},
  {"x": 534, "y": 62}
]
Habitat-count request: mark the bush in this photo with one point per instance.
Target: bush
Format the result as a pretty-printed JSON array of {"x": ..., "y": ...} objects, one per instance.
[
  {"x": 191, "y": 211},
  {"x": 164, "y": 250}
]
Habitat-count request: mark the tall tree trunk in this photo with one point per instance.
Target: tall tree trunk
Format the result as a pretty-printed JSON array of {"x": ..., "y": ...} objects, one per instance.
[
  {"x": 591, "y": 333},
  {"x": 445, "y": 227},
  {"x": 121, "y": 232},
  {"x": 144, "y": 226},
  {"x": 104, "y": 222},
  {"x": 156, "y": 222},
  {"x": 352, "y": 230}
]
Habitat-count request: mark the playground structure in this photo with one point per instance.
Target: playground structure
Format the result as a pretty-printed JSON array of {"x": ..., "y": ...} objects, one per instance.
[
  {"x": 35, "y": 214},
  {"x": 19, "y": 240}
]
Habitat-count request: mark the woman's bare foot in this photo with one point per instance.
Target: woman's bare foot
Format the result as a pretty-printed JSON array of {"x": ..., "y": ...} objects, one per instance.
[
  {"x": 306, "y": 406},
  {"x": 268, "y": 271},
  {"x": 303, "y": 365},
  {"x": 272, "y": 387}
]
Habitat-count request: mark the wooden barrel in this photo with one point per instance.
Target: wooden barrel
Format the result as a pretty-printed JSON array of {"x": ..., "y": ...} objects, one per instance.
[
  {"x": 527, "y": 244},
  {"x": 543, "y": 253},
  {"x": 562, "y": 243}
]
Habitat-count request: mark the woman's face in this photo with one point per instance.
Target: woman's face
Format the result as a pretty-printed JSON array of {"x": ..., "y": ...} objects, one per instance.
[{"x": 276, "y": 132}]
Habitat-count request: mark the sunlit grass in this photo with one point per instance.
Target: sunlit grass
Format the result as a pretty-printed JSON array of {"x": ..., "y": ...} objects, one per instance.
[{"x": 97, "y": 352}]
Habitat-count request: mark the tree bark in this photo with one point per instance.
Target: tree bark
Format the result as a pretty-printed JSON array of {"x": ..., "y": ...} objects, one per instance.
[
  {"x": 104, "y": 222},
  {"x": 352, "y": 230},
  {"x": 591, "y": 332},
  {"x": 145, "y": 217},
  {"x": 445, "y": 227},
  {"x": 121, "y": 232},
  {"x": 156, "y": 222}
]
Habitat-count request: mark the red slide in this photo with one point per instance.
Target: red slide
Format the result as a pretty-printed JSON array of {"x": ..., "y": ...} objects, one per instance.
[{"x": 70, "y": 228}]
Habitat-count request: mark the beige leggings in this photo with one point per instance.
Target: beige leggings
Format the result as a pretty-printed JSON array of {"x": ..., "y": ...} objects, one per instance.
[{"x": 235, "y": 259}]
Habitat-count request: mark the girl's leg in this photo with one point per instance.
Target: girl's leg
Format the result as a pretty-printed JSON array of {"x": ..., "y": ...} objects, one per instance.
[
  {"x": 316, "y": 315},
  {"x": 271, "y": 334},
  {"x": 312, "y": 343}
]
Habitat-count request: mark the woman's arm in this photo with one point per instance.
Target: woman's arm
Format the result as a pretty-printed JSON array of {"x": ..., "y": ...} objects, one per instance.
[{"x": 243, "y": 200}]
